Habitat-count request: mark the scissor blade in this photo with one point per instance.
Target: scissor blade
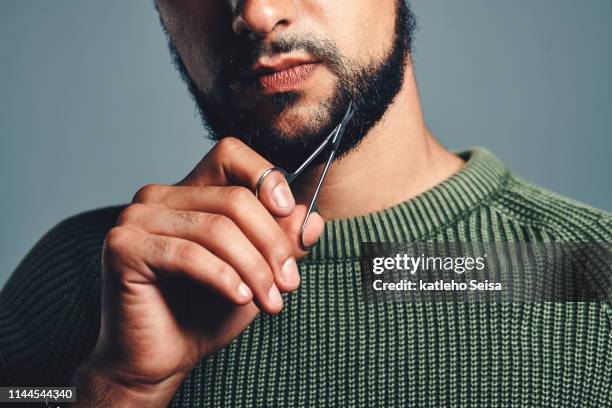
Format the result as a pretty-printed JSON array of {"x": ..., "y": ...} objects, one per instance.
[
  {"x": 331, "y": 139},
  {"x": 339, "y": 131}
]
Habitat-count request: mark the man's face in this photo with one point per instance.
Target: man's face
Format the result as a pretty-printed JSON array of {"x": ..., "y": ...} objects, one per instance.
[{"x": 279, "y": 74}]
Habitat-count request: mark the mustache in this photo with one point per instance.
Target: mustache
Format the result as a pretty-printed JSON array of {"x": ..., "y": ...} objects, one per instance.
[{"x": 241, "y": 63}]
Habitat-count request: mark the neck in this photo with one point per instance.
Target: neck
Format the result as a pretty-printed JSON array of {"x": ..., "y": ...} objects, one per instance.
[{"x": 398, "y": 159}]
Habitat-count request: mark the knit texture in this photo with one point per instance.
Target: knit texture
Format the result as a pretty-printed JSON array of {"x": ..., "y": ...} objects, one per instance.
[{"x": 330, "y": 347}]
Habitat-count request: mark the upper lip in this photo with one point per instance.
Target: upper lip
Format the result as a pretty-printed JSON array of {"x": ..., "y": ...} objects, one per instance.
[{"x": 261, "y": 68}]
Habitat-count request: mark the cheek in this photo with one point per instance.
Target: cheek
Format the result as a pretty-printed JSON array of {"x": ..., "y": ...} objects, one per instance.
[
  {"x": 196, "y": 34},
  {"x": 364, "y": 29}
]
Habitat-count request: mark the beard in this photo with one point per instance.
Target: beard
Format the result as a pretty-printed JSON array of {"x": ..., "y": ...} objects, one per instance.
[{"x": 371, "y": 88}]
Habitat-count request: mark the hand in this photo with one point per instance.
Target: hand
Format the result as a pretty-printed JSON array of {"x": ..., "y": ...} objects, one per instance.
[{"x": 188, "y": 267}]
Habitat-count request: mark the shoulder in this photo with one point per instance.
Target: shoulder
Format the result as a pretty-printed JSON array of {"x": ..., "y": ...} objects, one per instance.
[
  {"x": 72, "y": 241},
  {"x": 563, "y": 226},
  {"x": 49, "y": 307},
  {"x": 560, "y": 226},
  {"x": 81, "y": 228},
  {"x": 560, "y": 218}
]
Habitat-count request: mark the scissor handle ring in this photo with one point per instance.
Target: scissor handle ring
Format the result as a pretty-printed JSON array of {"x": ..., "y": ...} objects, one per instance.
[
  {"x": 265, "y": 174},
  {"x": 262, "y": 178}
]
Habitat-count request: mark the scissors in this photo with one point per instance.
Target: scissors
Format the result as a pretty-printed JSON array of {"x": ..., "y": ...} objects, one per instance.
[{"x": 333, "y": 141}]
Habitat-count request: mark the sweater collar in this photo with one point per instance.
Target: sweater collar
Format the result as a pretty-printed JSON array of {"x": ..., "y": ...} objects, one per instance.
[{"x": 417, "y": 218}]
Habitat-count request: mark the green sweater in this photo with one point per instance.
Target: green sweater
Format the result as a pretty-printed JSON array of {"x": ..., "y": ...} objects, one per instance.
[{"x": 330, "y": 347}]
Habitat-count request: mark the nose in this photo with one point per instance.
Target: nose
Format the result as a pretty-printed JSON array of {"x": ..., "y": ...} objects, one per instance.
[{"x": 261, "y": 17}]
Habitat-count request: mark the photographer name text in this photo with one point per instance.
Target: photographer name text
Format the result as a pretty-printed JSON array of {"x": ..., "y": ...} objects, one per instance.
[{"x": 411, "y": 265}]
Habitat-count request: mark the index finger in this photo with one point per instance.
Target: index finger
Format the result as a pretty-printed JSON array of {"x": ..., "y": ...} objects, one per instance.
[{"x": 231, "y": 162}]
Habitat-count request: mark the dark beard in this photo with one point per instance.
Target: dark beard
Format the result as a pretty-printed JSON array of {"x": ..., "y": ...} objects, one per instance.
[{"x": 372, "y": 89}]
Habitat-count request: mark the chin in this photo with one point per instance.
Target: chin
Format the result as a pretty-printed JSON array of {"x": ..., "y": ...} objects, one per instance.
[
  {"x": 297, "y": 120},
  {"x": 290, "y": 128}
]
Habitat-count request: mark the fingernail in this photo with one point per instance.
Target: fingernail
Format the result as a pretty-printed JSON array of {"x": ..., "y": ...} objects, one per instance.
[
  {"x": 309, "y": 226},
  {"x": 244, "y": 291},
  {"x": 275, "y": 298},
  {"x": 281, "y": 194},
  {"x": 289, "y": 273}
]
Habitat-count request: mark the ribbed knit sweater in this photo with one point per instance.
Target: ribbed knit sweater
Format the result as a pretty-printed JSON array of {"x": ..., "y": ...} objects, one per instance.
[{"x": 330, "y": 347}]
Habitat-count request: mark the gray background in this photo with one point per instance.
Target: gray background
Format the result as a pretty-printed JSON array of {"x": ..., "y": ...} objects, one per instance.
[{"x": 91, "y": 108}]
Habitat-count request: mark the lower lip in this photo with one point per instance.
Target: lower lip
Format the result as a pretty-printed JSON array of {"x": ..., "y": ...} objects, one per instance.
[{"x": 286, "y": 79}]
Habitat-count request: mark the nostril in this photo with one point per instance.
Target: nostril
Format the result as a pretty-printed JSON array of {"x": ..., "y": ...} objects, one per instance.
[
  {"x": 244, "y": 32},
  {"x": 240, "y": 27},
  {"x": 261, "y": 17}
]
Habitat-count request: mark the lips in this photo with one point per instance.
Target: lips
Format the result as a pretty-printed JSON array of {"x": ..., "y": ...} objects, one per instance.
[
  {"x": 286, "y": 79},
  {"x": 283, "y": 75}
]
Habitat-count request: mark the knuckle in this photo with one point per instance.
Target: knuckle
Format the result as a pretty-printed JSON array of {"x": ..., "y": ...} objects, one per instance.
[
  {"x": 222, "y": 273},
  {"x": 227, "y": 145},
  {"x": 115, "y": 243},
  {"x": 279, "y": 248},
  {"x": 147, "y": 193},
  {"x": 238, "y": 195},
  {"x": 117, "y": 237},
  {"x": 188, "y": 252},
  {"x": 261, "y": 273},
  {"x": 217, "y": 223},
  {"x": 129, "y": 214}
]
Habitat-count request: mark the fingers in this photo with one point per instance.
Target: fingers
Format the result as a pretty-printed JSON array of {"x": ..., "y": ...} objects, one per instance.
[
  {"x": 260, "y": 231},
  {"x": 136, "y": 257},
  {"x": 209, "y": 248},
  {"x": 222, "y": 237},
  {"x": 277, "y": 241},
  {"x": 293, "y": 225},
  {"x": 245, "y": 216},
  {"x": 240, "y": 205},
  {"x": 232, "y": 162}
]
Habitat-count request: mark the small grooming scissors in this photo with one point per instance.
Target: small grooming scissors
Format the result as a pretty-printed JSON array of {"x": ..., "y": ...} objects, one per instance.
[{"x": 333, "y": 141}]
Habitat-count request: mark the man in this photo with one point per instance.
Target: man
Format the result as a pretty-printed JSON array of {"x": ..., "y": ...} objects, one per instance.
[{"x": 192, "y": 294}]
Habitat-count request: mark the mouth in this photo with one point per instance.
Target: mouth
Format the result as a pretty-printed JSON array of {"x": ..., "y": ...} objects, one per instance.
[{"x": 283, "y": 76}]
